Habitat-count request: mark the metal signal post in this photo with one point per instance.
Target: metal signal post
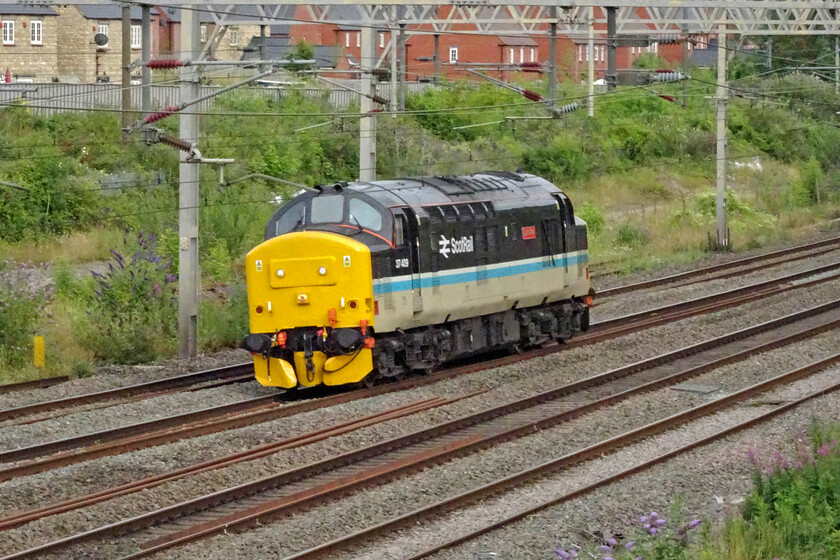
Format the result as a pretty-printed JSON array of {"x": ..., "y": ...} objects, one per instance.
[{"x": 722, "y": 240}]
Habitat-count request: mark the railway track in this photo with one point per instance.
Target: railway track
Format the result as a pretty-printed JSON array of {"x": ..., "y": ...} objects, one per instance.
[
  {"x": 35, "y": 384},
  {"x": 212, "y": 377},
  {"x": 325, "y": 480},
  {"x": 43, "y": 457},
  {"x": 787, "y": 255},
  {"x": 438, "y": 509}
]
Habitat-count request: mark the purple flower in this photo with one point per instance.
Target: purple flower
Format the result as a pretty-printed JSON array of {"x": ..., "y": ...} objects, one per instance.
[
  {"x": 643, "y": 519},
  {"x": 653, "y": 530},
  {"x": 629, "y": 545},
  {"x": 661, "y": 522},
  {"x": 824, "y": 450},
  {"x": 563, "y": 554},
  {"x": 654, "y": 515},
  {"x": 608, "y": 558},
  {"x": 647, "y": 526},
  {"x": 751, "y": 456},
  {"x": 605, "y": 548},
  {"x": 833, "y": 442},
  {"x": 612, "y": 542},
  {"x": 694, "y": 523},
  {"x": 639, "y": 558}
]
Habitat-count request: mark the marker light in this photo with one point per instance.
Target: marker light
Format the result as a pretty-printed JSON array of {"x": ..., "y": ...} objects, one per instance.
[
  {"x": 302, "y": 298},
  {"x": 281, "y": 273},
  {"x": 259, "y": 309},
  {"x": 322, "y": 271}
]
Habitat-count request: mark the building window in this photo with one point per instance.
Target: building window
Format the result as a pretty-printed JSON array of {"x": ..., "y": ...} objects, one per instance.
[
  {"x": 381, "y": 40},
  {"x": 580, "y": 53},
  {"x": 603, "y": 54},
  {"x": 521, "y": 55},
  {"x": 36, "y": 32},
  {"x": 453, "y": 55},
  {"x": 233, "y": 35},
  {"x": 136, "y": 37},
  {"x": 347, "y": 40},
  {"x": 533, "y": 55},
  {"x": 102, "y": 28},
  {"x": 203, "y": 33},
  {"x": 8, "y": 33},
  {"x": 359, "y": 39},
  {"x": 511, "y": 55}
]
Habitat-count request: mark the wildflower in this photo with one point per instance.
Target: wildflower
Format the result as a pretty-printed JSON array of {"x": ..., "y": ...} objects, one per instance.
[
  {"x": 629, "y": 545},
  {"x": 798, "y": 464},
  {"x": 612, "y": 542},
  {"x": 647, "y": 526},
  {"x": 824, "y": 450},
  {"x": 661, "y": 522},
  {"x": 751, "y": 456},
  {"x": 654, "y": 515},
  {"x": 643, "y": 519},
  {"x": 605, "y": 548},
  {"x": 639, "y": 558},
  {"x": 608, "y": 558},
  {"x": 563, "y": 554},
  {"x": 653, "y": 530},
  {"x": 833, "y": 443},
  {"x": 693, "y": 524}
]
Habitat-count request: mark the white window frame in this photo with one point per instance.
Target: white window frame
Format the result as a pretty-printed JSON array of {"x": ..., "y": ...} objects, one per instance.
[
  {"x": 8, "y": 32},
  {"x": 36, "y": 32},
  {"x": 511, "y": 55},
  {"x": 521, "y": 55},
  {"x": 453, "y": 55},
  {"x": 580, "y": 53},
  {"x": 103, "y": 28},
  {"x": 203, "y": 32},
  {"x": 603, "y": 53},
  {"x": 358, "y": 39},
  {"x": 381, "y": 40},
  {"x": 347, "y": 39},
  {"x": 533, "y": 55},
  {"x": 136, "y": 37},
  {"x": 233, "y": 35}
]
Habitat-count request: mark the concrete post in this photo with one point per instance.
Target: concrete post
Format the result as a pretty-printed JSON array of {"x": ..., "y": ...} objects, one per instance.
[
  {"x": 403, "y": 65},
  {"x": 722, "y": 95},
  {"x": 394, "y": 105},
  {"x": 367, "y": 124},
  {"x": 437, "y": 58},
  {"x": 147, "y": 55},
  {"x": 552, "y": 56},
  {"x": 189, "y": 277},
  {"x": 612, "y": 45},
  {"x": 590, "y": 49},
  {"x": 126, "y": 74}
]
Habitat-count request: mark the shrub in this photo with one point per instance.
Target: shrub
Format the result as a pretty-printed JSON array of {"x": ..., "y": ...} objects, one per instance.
[
  {"x": 593, "y": 217},
  {"x": 631, "y": 236},
  {"x": 133, "y": 307},
  {"x": 22, "y": 308},
  {"x": 224, "y": 317}
]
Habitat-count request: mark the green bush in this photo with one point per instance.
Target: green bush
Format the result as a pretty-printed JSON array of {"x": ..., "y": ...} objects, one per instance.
[
  {"x": 593, "y": 217},
  {"x": 133, "y": 307},
  {"x": 632, "y": 236},
  {"x": 224, "y": 317},
  {"x": 22, "y": 308}
]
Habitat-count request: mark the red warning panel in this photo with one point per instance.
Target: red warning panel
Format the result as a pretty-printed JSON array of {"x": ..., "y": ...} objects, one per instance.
[{"x": 529, "y": 232}]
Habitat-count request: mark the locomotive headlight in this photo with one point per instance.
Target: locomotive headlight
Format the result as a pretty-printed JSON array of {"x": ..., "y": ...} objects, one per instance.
[
  {"x": 322, "y": 271},
  {"x": 281, "y": 273},
  {"x": 302, "y": 298}
]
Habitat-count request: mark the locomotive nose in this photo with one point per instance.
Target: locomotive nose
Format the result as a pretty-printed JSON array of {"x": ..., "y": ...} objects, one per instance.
[{"x": 304, "y": 285}]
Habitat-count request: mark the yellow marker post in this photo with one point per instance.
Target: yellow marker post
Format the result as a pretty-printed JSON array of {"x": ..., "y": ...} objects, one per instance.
[{"x": 38, "y": 352}]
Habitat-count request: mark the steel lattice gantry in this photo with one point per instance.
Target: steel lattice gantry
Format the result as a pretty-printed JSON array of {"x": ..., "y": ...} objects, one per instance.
[{"x": 652, "y": 17}]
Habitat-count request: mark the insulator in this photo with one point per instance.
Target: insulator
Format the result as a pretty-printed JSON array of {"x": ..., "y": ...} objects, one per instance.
[
  {"x": 379, "y": 99},
  {"x": 164, "y": 64},
  {"x": 663, "y": 77},
  {"x": 532, "y": 95},
  {"x": 182, "y": 145},
  {"x": 168, "y": 111},
  {"x": 568, "y": 108}
]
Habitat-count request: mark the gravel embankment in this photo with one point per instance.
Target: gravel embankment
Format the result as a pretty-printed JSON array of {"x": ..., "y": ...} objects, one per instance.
[
  {"x": 374, "y": 505},
  {"x": 464, "y": 473}
]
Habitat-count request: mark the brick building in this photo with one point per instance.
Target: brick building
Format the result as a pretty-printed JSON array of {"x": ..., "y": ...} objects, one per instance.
[{"x": 29, "y": 48}]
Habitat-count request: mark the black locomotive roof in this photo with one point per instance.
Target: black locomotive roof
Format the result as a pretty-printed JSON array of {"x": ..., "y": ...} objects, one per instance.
[{"x": 505, "y": 189}]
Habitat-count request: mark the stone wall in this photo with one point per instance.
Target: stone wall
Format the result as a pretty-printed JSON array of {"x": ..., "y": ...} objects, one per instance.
[{"x": 25, "y": 59}]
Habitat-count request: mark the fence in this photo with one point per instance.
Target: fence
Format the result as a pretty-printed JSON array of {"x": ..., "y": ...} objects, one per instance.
[{"x": 51, "y": 98}]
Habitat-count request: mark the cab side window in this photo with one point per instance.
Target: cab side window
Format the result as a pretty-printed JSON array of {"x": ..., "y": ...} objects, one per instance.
[
  {"x": 364, "y": 215},
  {"x": 292, "y": 218}
]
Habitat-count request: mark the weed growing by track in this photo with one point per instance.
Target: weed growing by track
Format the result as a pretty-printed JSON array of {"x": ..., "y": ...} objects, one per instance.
[
  {"x": 22, "y": 312},
  {"x": 791, "y": 513}
]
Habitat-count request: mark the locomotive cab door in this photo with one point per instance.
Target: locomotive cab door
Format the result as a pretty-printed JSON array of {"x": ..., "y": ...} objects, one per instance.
[
  {"x": 566, "y": 229},
  {"x": 407, "y": 248}
]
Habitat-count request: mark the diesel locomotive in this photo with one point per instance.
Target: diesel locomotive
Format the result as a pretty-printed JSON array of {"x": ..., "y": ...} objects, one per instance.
[{"x": 368, "y": 280}]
